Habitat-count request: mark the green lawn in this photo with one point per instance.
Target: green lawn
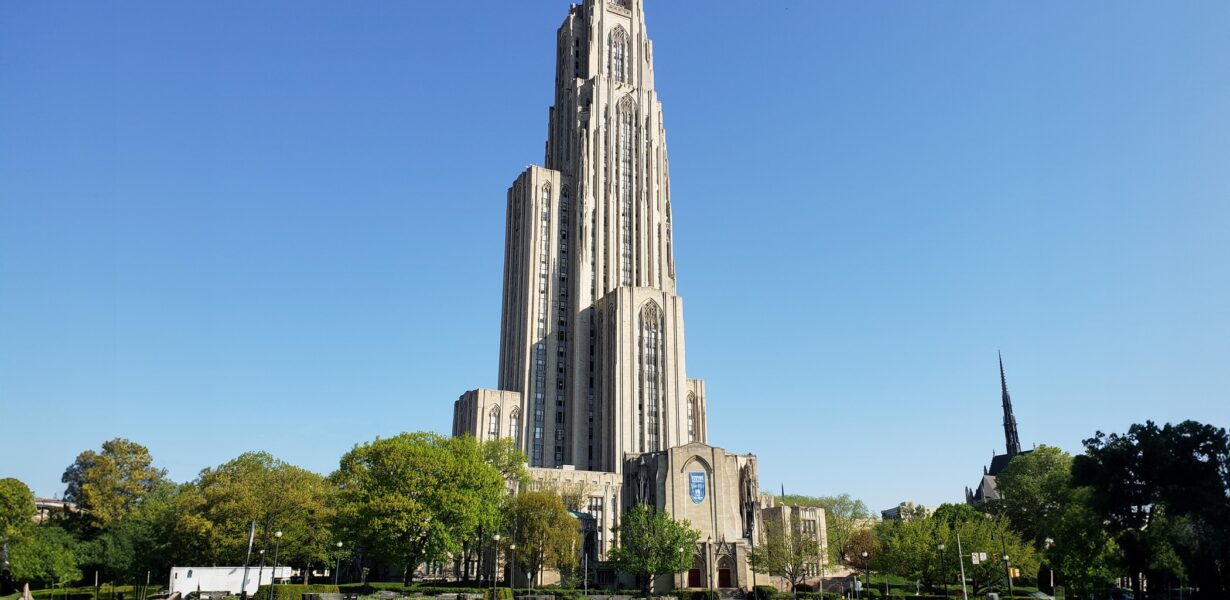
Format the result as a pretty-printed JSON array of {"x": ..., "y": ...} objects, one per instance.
[{"x": 85, "y": 592}]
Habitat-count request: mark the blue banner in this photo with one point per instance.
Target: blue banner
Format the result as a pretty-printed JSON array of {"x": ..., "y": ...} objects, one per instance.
[{"x": 696, "y": 481}]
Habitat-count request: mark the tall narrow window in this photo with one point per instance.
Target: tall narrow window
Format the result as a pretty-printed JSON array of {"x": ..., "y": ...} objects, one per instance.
[
  {"x": 627, "y": 115},
  {"x": 619, "y": 55},
  {"x": 514, "y": 426},
  {"x": 650, "y": 376},
  {"x": 493, "y": 424},
  {"x": 540, "y": 345},
  {"x": 563, "y": 316},
  {"x": 691, "y": 417}
]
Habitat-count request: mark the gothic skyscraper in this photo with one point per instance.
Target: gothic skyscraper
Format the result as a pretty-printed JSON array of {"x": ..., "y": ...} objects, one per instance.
[
  {"x": 592, "y": 331},
  {"x": 592, "y": 379}
]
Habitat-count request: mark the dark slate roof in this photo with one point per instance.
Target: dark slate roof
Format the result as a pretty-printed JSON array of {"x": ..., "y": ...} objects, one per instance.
[{"x": 999, "y": 462}]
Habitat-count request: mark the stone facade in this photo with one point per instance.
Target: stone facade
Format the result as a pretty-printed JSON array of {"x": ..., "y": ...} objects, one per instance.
[{"x": 803, "y": 520}]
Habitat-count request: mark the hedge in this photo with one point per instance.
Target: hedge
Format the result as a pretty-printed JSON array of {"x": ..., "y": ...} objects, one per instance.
[
  {"x": 686, "y": 594},
  {"x": 499, "y": 593},
  {"x": 294, "y": 591}
]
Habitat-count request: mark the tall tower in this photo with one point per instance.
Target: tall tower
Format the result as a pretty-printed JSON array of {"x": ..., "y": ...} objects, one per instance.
[
  {"x": 591, "y": 339},
  {"x": 1011, "y": 440}
]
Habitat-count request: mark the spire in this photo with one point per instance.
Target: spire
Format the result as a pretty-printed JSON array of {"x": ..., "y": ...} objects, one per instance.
[{"x": 1011, "y": 440}]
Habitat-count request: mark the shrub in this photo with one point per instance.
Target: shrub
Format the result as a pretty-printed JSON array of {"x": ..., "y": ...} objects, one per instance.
[
  {"x": 762, "y": 592},
  {"x": 697, "y": 594},
  {"x": 500, "y": 593},
  {"x": 294, "y": 591}
]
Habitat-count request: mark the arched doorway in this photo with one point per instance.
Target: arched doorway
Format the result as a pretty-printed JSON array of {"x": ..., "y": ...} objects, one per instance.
[
  {"x": 725, "y": 568},
  {"x": 696, "y": 575}
]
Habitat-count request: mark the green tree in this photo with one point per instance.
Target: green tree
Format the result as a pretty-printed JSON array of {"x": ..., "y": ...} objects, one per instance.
[
  {"x": 981, "y": 533},
  {"x": 46, "y": 556},
  {"x": 843, "y": 516},
  {"x": 214, "y": 513},
  {"x": 106, "y": 485},
  {"x": 1163, "y": 490},
  {"x": 785, "y": 551},
  {"x": 416, "y": 497},
  {"x": 140, "y": 542},
  {"x": 652, "y": 544},
  {"x": 16, "y": 509},
  {"x": 908, "y": 549},
  {"x": 545, "y": 533},
  {"x": 859, "y": 542},
  {"x": 502, "y": 453},
  {"x": 1044, "y": 506}
]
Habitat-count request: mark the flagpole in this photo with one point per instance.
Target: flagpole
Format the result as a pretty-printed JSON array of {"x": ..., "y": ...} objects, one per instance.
[
  {"x": 961, "y": 559},
  {"x": 243, "y": 586}
]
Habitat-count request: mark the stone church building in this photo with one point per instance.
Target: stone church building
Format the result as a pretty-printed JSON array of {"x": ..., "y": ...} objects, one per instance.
[{"x": 593, "y": 384}]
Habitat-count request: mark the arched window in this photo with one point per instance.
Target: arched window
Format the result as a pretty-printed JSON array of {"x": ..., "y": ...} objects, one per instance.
[
  {"x": 493, "y": 423},
  {"x": 514, "y": 426},
  {"x": 650, "y": 375},
  {"x": 619, "y": 51}
]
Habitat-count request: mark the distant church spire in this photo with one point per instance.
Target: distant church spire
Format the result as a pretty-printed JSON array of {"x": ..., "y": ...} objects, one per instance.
[{"x": 1011, "y": 439}]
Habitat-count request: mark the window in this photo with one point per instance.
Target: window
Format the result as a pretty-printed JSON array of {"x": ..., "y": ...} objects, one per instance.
[
  {"x": 691, "y": 417},
  {"x": 562, "y": 318},
  {"x": 596, "y": 511},
  {"x": 514, "y": 426},
  {"x": 493, "y": 424},
  {"x": 650, "y": 330},
  {"x": 627, "y": 116},
  {"x": 618, "y": 47},
  {"x": 540, "y": 348}
]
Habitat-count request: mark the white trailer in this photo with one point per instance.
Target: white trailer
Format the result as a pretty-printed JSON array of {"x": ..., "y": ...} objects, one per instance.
[{"x": 186, "y": 580}]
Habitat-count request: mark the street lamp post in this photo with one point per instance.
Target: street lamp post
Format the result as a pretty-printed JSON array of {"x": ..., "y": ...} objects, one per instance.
[
  {"x": 261, "y": 572},
  {"x": 273, "y": 576},
  {"x": 867, "y": 568},
  {"x": 495, "y": 563},
  {"x": 512, "y": 567},
  {"x": 1008, "y": 572},
  {"x": 943, "y": 575},
  {"x": 338, "y": 568},
  {"x": 1003, "y": 540}
]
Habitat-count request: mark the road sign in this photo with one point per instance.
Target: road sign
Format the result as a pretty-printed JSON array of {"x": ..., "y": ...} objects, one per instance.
[{"x": 974, "y": 558}]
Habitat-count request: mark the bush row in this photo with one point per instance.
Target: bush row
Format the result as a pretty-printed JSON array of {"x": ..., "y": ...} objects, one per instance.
[{"x": 294, "y": 591}]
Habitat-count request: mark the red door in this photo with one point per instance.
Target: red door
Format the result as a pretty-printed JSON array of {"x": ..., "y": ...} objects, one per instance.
[
  {"x": 694, "y": 578},
  {"x": 724, "y": 578}
]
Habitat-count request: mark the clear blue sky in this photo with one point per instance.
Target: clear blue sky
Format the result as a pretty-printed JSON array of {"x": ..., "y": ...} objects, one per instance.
[{"x": 229, "y": 226}]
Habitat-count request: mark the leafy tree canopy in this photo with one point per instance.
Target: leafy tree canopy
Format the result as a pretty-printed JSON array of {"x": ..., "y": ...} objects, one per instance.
[
  {"x": 416, "y": 496},
  {"x": 1161, "y": 491},
  {"x": 785, "y": 551},
  {"x": 652, "y": 544},
  {"x": 843, "y": 516},
  {"x": 107, "y": 485},
  {"x": 1043, "y": 504},
  {"x": 215, "y": 512},
  {"x": 16, "y": 509},
  {"x": 46, "y": 556},
  {"x": 544, "y": 531}
]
